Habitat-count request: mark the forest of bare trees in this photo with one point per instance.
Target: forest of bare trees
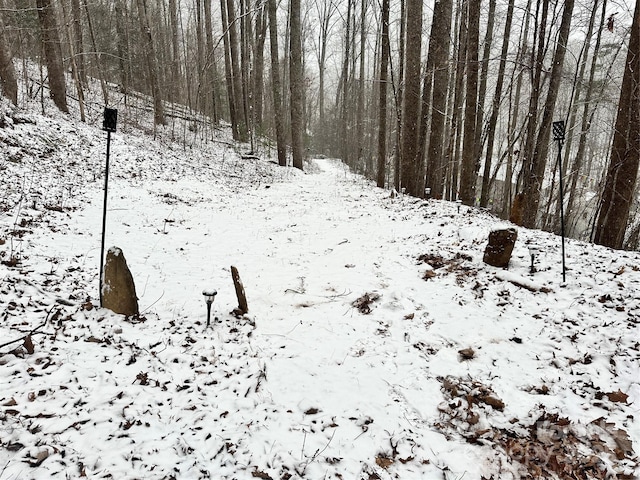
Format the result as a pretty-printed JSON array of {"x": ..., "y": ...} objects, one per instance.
[{"x": 446, "y": 99}]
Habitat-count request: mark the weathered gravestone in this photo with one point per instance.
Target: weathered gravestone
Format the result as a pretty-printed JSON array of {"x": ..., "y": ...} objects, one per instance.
[
  {"x": 118, "y": 289},
  {"x": 500, "y": 247}
]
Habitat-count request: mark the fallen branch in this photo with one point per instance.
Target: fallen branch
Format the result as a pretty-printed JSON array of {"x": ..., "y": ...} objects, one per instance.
[{"x": 26, "y": 339}]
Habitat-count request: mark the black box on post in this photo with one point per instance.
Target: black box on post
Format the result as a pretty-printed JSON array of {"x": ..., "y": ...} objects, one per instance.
[{"x": 110, "y": 119}]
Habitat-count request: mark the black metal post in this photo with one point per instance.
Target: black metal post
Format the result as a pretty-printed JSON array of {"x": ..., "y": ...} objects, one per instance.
[
  {"x": 104, "y": 212},
  {"x": 558, "y": 135},
  {"x": 209, "y": 313},
  {"x": 561, "y": 209},
  {"x": 108, "y": 125}
]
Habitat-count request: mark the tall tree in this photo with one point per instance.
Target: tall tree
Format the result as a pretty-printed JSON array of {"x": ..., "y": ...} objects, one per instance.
[
  {"x": 585, "y": 124},
  {"x": 236, "y": 73},
  {"x": 534, "y": 176},
  {"x": 228, "y": 71},
  {"x": 411, "y": 166},
  {"x": 8, "y": 80},
  {"x": 152, "y": 64},
  {"x": 78, "y": 44},
  {"x": 276, "y": 87},
  {"x": 52, "y": 53},
  {"x": 122, "y": 44},
  {"x": 457, "y": 103},
  {"x": 470, "y": 157},
  {"x": 258, "y": 66},
  {"x": 296, "y": 85},
  {"x": 382, "y": 114},
  {"x": 618, "y": 193},
  {"x": 495, "y": 107},
  {"x": 325, "y": 12},
  {"x": 212, "y": 71},
  {"x": 438, "y": 70},
  {"x": 344, "y": 89}
]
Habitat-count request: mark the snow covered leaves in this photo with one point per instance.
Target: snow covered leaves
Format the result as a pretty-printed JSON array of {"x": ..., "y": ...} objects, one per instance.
[
  {"x": 543, "y": 445},
  {"x": 363, "y": 304}
]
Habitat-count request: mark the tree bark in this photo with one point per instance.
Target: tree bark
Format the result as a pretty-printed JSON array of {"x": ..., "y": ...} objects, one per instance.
[
  {"x": 152, "y": 64},
  {"x": 410, "y": 164},
  {"x": 53, "y": 53},
  {"x": 78, "y": 45},
  {"x": 618, "y": 194},
  {"x": 212, "y": 71},
  {"x": 585, "y": 124},
  {"x": 382, "y": 114},
  {"x": 258, "y": 70},
  {"x": 439, "y": 45},
  {"x": 296, "y": 85},
  {"x": 533, "y": 178},
  {"x": 122, "y": 43},
  {"x": 495, "y": 108},
  {"x": 8, "y": 80},
  {"x": 276, "y": 87},
  {"x": 470, "y": 157},
  {"x": 344, "y": 90},
  {"x": 228, "y": 70},
  {"x": 236, "y": 73}
]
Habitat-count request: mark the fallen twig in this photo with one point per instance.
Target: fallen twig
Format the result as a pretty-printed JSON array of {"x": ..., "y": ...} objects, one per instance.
[{"x": 24, "y": 338}]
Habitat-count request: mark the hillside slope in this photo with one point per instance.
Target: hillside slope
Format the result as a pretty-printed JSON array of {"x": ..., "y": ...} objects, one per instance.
[{"x": 378, "y": 345}]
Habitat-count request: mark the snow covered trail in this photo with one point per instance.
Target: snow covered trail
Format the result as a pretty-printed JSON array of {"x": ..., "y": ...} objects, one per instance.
[{"x": 348, "y": 364}]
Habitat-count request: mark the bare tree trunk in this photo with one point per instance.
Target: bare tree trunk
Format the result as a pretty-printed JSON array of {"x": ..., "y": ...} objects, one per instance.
[
  {"x": 103, "y": 83},
  {"x": 439, "y": 45},
  {"x": 212, "y": 71},
  {"x": 382, "y": 115},
  {"x": 495, "y": 109},
  {"x": 325, "y": 12},
  {"x": 455, "y": 134},
  {"x": 534, "y": 177},
  {"x": 361, "y": 88},
  {"x": 74, "y": 67},
  {"x": 52, "y": 53},
  {"x": 585, "y": 124},
  {"x": 484, "y": 71},
  {"x": 296, "y": 85},
  {"x": 470, "y": 159},
  {"x": 201, "y": 70},
  {"x": 245, "y": 35},
  {"x": 258, "y": 68},
  {"x": 411, "y": 166},
  {"x": 618, "y": 194},
  {"x": 122, "y": 45},
  {"x": 8, "y": 80},
  {"x": 152, "y": 64},
  {"x": 236, "y": 73},
  {"x": 574, "y": 106},
  {"x": 537, "y": 58},
  {"x": 276, "y": 88},
  {"x": 399, "y": 96},
  {"x": 78, "y": 44},
  {"x": 344, "y": 137},
  {"x": 228, "y": 70}
]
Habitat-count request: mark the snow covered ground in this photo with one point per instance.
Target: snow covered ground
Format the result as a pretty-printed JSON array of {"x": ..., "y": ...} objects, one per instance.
[{"x": 378, "y": 345}]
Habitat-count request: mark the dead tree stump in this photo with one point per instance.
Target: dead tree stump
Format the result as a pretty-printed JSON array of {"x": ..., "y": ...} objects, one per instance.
[
  {"x": 242, "y": 298},
  {"x": 500, "y": 247}
]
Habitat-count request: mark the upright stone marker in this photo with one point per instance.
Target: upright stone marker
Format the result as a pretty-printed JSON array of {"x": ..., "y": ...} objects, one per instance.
[
  {"x": 500, "y": 247},
  {"x": 119, "y": 290}
]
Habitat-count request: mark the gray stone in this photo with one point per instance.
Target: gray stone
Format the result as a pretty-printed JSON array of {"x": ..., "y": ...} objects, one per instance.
[
  {"x": 118, "y": 289},
  {"x": 500, "y": 247}
]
